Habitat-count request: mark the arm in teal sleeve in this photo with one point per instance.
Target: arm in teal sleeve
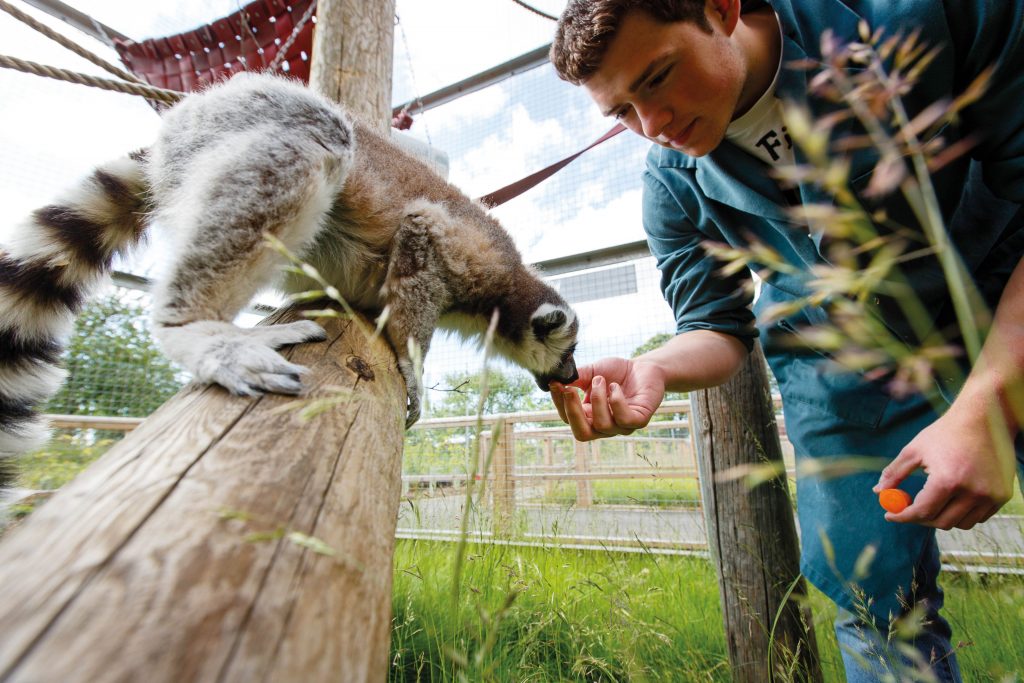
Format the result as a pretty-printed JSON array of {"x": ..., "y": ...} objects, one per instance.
[{"x": 700, "y": 296}]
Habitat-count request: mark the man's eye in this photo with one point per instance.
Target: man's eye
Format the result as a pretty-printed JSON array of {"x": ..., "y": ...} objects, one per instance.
[
  {"x": 659, "y": 79},
  {"x": 622, "y": 113}
]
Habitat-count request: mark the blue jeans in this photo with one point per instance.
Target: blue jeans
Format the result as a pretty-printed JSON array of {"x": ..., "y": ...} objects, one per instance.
[
  {"x": 871, "y": 654},
  {"x": 840, "y": 518}
]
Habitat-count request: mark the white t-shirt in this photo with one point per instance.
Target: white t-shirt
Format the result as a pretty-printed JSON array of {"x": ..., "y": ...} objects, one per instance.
[{"x": 761, "y": 130}]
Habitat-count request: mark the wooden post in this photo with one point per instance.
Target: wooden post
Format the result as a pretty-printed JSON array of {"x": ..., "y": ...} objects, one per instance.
[
  {"x": 353, "y": 55},
  {"x": 504, "y": 490},
  {"x": 584, "y": 487},
  {"x": 549, "y": 460},
  {"x": 225, "y": 539},
  {"x": 485, "y": 466},
  {"x": 751, "y": 532}
]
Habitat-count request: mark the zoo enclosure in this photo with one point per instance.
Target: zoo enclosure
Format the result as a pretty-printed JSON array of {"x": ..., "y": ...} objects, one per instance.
[{"x": 582, "y": 228}]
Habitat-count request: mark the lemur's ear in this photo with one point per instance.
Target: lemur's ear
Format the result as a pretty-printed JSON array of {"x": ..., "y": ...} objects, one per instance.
[{"x": 545, "y": 324}]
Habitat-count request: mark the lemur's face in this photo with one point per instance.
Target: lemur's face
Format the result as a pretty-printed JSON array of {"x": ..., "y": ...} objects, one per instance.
[{"x": 551, "y": 345}]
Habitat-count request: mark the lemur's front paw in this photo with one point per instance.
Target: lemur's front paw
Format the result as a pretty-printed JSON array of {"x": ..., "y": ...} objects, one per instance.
[
  {"x": 276, "y": 336},
  {"x": 249, "y": 369},
  {"x": 243, "y": 361}
]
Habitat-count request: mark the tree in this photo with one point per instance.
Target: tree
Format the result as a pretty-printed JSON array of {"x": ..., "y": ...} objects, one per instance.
[
  {"x": 507, "y": 392},
  {"x": 447, "y": 450},
  {"x": 649, "y": 345},
  {"x": 115, "y": 368}
]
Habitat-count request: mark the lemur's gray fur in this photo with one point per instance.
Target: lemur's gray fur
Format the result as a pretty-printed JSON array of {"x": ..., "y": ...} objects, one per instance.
[{"x": 264, "y": 155}]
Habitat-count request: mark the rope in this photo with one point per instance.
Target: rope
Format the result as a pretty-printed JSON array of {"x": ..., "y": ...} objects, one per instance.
[
  {"x": 403, "y": 121},
  {"x": 279, "y": 57},
  {"x": 535, "y": 10},
  {"x": 66, "y": 42},
  {"x": 141, "y": 89}
]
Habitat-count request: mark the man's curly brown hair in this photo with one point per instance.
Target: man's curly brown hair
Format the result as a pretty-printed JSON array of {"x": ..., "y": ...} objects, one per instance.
[{"x": 588, "y": 26}]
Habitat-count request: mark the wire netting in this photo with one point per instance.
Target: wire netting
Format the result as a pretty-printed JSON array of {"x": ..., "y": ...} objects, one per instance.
[{"x": 536, "y": 481}]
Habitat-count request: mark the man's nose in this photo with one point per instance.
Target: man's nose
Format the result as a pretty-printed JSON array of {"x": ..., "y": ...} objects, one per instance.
[{"x": 652, "y": 121}]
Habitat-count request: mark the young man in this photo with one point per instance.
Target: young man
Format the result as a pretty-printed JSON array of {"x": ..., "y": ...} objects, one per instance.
[{"x": 703, "y": 81}]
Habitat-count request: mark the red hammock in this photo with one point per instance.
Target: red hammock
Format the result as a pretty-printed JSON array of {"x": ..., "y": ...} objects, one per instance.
[{"x": 246, "y": 40}]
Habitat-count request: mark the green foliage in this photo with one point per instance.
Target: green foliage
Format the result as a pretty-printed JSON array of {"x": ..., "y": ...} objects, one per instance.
[
  {"x": 507, "y": 392},
  {"x": 60, "y": 461},
  {"x": 115, "y": 367},
  {"x": 654, "y": 342},
  {"x": 448, "y": 450}
]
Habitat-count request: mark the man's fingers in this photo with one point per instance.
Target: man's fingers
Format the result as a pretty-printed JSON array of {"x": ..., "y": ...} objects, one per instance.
[
  {"x": 898, "y": 470},
  {"x": 575, "y": 416},
  {"x": 601, "y": 414},
  {"x": 976, "y": 516},
  {"x": 958, "y": 511},
  {"x": 927, "y": 505},
  {"x": 585, "y": 377},
  {"x": 627, "y": 418},
  {"x": 989, "y": 513},
  {"x": 558, "y": 398}
]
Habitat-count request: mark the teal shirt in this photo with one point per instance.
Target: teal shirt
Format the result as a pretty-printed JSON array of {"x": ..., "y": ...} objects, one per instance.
[{"x": 729, "y": 197}]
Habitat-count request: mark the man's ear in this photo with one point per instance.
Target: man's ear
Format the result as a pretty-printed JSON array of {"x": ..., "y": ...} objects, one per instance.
[{"x": 727, "y": 11}]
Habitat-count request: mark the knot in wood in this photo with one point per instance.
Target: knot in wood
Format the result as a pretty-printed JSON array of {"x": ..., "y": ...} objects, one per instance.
[{"x": 361, "y": 368}]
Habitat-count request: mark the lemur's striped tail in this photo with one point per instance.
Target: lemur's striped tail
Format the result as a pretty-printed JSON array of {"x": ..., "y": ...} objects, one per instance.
[{"x": 47, "y": 268}]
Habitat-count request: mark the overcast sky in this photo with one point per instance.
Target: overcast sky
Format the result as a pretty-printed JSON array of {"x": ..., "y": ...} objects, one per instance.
[{"x": 51, "y": 133}]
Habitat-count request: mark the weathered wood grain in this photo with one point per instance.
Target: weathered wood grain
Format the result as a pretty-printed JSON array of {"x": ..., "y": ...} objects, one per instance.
[
  {"x": 352, "y": 56},
  {"x": 187, "y": 553},
  {"x": 751, "y": 533}
]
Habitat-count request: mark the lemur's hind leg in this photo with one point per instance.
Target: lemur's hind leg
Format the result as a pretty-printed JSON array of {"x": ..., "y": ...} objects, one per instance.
[
  {"x": 243, "y": 192},
  {"x": 415, "y": 295}
]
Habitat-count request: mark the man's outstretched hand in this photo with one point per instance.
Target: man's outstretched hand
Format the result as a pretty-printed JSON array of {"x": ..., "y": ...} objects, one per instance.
[{"x": 619, "y": 396}]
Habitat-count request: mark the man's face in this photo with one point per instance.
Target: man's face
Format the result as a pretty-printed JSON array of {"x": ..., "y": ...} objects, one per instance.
[{"x": 673, "y": 83}]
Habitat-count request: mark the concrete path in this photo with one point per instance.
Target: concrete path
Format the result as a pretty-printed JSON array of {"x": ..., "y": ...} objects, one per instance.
[{"x": 998, "y": 540}]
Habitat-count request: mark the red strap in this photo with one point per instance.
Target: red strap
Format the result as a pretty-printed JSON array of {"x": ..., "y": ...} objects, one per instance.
[{"x": 508, "y": 192}]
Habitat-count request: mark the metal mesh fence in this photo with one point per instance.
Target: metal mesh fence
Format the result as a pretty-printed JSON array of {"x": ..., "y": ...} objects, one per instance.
[
  {"x": 530, "y": 477},
  {"x": 114, "y": 366}
]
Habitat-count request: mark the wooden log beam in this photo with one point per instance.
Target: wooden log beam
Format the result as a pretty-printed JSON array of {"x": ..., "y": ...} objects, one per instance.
[
  {"x": 751, "y": 532},
  {"x": 225, "y": 539}
]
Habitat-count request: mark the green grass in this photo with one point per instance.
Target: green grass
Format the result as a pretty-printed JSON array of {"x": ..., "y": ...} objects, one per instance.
[
  {"x": 572, "y": 616},
  {"x": 1015, "y": 506},
  {"x": 648, "y": 492},
  {"x": 529, "y": 614}
]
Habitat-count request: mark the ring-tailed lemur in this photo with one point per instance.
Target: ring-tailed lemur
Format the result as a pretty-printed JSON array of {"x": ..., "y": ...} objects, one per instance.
[{"x": 264, "y": 155}]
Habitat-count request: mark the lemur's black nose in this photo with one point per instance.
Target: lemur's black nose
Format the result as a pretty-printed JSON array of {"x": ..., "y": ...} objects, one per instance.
[{"x": 565, "y": 374}]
